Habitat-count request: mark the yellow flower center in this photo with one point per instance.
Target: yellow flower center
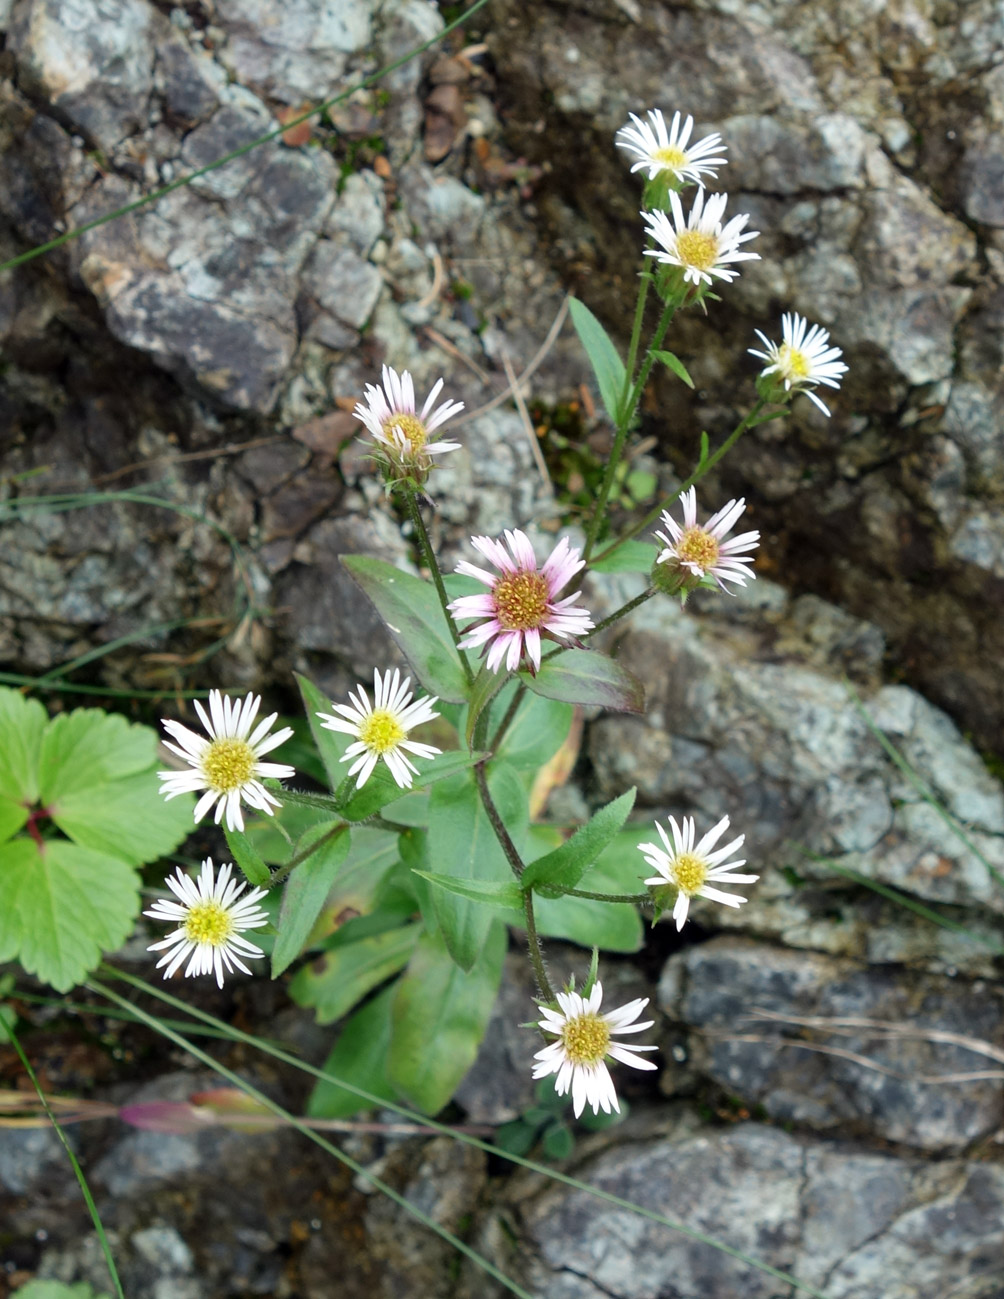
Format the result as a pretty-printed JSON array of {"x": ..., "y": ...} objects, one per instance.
[
  {"x": 689, "y": 872},
  {"x": 586, "y": 1039},
  {"x": 521, "y": 601},
  {"x": 697, "y": 249},
  {"x": 412, "y": 430},
  {"x": 228, "y": 764},
  {"x": 794, "y": 363},
  {"x": 381, "y": 731},
  {"x": 699, "y": 547},
  {"x": 674, "y": 159},
  {"x": 210, "y": 923}
]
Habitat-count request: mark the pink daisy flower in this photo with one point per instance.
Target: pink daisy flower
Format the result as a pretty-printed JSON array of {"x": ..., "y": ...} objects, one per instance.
[
  {"x": 700, "y": 551},
  {"x": 520, "y": 602},
  {"x": 389, "y": 414}
]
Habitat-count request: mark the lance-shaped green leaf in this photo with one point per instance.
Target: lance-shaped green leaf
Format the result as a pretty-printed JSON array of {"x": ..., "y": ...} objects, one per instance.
[
  {"x": 563, "y": 868},
  {"x": 340, "y": 977},
  {"x": 612, "y": 926},
  {"x": 247, "y": 857},
  {"x": 629, "y": 557},
  {"x": 439, "y": 1017},
  {"x": 359, "y": 1057},
  {"x": 381, "y": 788},
  {"x": 676, "y": 365},
  {"x": 462, "y": 843},
  {"x": 410, "y": 607},
  {"x": 307, "y": 891},
  {"x": 587, "y": 677},
  {"x": 331, "y": 745},
  {"x": 63, "y": 906},
  {"x": 506, "y": 894},
  {"x": 607, "y": 365},
  {"x": 486, "y": 686}
]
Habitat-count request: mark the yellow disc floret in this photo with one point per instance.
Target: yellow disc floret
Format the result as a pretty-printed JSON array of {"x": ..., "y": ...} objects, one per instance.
[
  {"x": 697, "y": 249},
  {"x": 381, "y": 731},
  {"x": 698, "y": 547},
  {"x": 228, "y": 764},
  {"x": 585, "y": 1039},
  {"x": 689, "y": 872},
  {"x": 674, "y": 159},
  {"x": 793, "y": 363},
  {"x": 208, "y": 922},
  {"x": 521, "y": 601},
  {"x": 406, "y": 428}
]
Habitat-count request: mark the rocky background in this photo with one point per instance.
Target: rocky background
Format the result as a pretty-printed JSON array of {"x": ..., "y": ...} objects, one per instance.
[{"x": 830, "y": 1099}]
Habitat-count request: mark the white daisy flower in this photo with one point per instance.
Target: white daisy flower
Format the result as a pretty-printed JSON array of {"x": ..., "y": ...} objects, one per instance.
[
  {"x": 381, "y": 729},
  {"x": 802, "y": 360},
  {"x": 659, "y": 150},
  {"x": 699, "y": 244},
  {"x": 521, "y": 602},
  {"x": 690, "y": 867},
  {"x": 211, "y": 916},
  {"x": 584, "y": 1041},
  {"x": 389, "y": 414},
  {"x": 228, "y": 764},
  {"x": 701, "y": 551}
]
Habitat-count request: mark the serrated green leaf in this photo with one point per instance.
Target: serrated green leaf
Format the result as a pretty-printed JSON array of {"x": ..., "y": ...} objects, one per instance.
[
  {"x": 587, "y": 677},
  {"x": 505, "y": 894},
  {"x": 247, "y": 858},
  {"x": 360, "y": 1057},
  {"x": 607, "y": 365},
  {"x": 676, "y": 365},
  {"x": 410, "y": 607},
  {"x": 438, "y": 1018},
  {"x": 565, "y": 866},
  {"x": 307, "y": 891},
  {"x": 629, "y": 557},
  {"x": 338, "y": 978},
  {"x": 331, "y": 745},
  {"x": 463, "y": 844},
  {"x": 88, "y": 748},
  {"x": 22, "y": 722},
  {"x": 535, "y": 734},
  {"x": 63, "y": 907},
  {"x": 126, "y": 818}
]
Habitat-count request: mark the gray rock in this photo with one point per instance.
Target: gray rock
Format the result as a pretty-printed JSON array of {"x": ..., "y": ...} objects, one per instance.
[
  {"x": 982, "y": 178},
  {"x": 858, "y": 1079},
  {"x": 29, "y": 1158},
  {"x": 346, "y": 286}
]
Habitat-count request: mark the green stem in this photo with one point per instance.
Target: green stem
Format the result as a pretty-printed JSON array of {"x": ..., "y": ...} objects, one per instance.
[
  {"x": 624, "y": 424},
  {"x": 279, "y": 875},
  {"x": 703, "y": 468},
  {"x": 324, "y": 802},
  {"x": 637, "y": 899},
  {"x": 622, "y": 612},
  {"x": 432, "y": 564},
  {"x": 506, "y": 721},
  {"x": 535, "y": 949}
]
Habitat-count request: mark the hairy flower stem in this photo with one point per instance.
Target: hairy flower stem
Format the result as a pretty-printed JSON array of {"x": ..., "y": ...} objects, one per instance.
[
  {"x": 628, "y": 406},
  {"x": 637, "y": 899},
  {"x": 506, "y": 721},
  {"x": 280, "y": 873},
  {"x": 622, "y": 612},
  {"x": 516, "y": 862},
  {"x": 745, "y": 423},
  {"x": 432, "y": 564}
]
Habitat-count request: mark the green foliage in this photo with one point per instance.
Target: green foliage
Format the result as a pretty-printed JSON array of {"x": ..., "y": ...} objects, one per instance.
[
  {"x": 676, "y": 365},
  {"x": 565, "y": 867},
  {"x": 629, "y": 557},
  {"x": 603, "y": 357},
  {"x": 579, "y": 676},
  {"x": 307, "y": 890},
  {"x": 82, "y": 791},
  {"x": 56, "y": 1290}
]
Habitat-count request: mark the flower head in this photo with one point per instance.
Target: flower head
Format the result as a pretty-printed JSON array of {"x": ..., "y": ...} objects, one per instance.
[
  {"x": 226, "y": 765},
  {"x": 211, "y": 916},
  {"x": 699, "y": 244},
  {"x": 520, "y": 602},
  {"x": 659, "y": 150},
  {"x": 403, "y": 434},
  {"x": 802, "y": 359},
  {"x": 690, "y": 867},
  {"x": 694, "y": 552},
  {"x": 381, "y": 728},
  {"x": 585, "y": 1039}
]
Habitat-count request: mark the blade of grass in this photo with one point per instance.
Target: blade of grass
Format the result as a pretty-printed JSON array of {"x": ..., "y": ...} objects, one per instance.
[
  {"x": 379, "y": 1102},
  {"x": 922, "y": 788},
  {"x": 180, "y": 181},
  {"x": 92, "y": 1208},
  {"x": 159, "y": 1026}
]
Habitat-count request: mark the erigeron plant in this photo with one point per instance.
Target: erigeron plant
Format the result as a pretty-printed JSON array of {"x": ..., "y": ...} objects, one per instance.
[{"x": 400, "y": 883}]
